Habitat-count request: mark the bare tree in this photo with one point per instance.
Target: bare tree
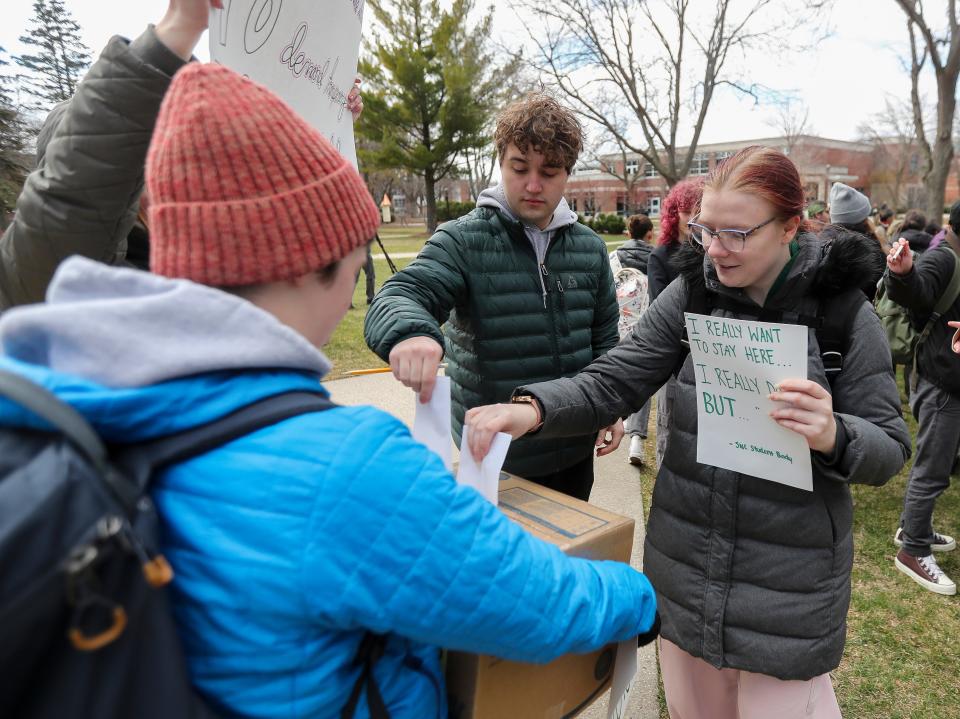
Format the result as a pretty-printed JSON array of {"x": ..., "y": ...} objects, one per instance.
[
  {"x": 894, "y": 139},
  {"x": 660, "y": 65},
  {"x": 608, "y": 154},
  {"x": 942, "y": 50},
  {"x": 791, "y": 121}
]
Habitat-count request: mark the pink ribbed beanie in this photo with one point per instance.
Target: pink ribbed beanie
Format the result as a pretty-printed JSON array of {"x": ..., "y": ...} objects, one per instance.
[{"x": 242, "y": 190}]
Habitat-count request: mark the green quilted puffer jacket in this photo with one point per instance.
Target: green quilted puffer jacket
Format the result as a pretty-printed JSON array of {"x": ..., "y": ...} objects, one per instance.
[{"x": 504, "y": 327}]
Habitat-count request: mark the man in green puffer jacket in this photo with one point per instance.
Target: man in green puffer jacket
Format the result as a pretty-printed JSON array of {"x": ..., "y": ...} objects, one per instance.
[{"x": 525, "y": 291}]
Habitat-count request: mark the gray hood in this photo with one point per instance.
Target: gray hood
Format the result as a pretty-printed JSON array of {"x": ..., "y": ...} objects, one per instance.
[
  {"x": 125, "y": 328},
  {"x": 563, "y": 216}
]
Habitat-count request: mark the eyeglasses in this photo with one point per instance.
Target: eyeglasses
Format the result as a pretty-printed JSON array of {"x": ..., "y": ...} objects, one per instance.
[{"x": 730, "y": 240}]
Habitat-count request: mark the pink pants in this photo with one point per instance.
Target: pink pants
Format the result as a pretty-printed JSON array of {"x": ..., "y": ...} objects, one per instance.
[{"x": 697, "y": 690}]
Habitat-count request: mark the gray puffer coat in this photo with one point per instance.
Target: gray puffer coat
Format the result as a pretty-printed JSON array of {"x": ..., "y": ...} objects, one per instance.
[
  {"x": 751, "y": 574},
  {"x": 83, "y": 197}
]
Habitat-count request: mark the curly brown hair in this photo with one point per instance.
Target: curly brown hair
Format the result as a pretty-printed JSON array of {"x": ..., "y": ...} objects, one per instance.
[{"x": 540, "y": 122}]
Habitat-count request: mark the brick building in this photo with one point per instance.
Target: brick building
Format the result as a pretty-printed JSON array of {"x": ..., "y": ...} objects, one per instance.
[{"x": 821, "y": 162}]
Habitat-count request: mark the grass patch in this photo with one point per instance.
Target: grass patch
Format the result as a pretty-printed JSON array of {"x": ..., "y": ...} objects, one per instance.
[
  {"x": 347, "y": 349},
  {"x": 902, "y": 655},
  {"x": 902, "y": 652}
]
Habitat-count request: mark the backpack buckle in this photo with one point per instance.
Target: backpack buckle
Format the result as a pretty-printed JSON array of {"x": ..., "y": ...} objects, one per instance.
[{"x": 832, "y": 362}]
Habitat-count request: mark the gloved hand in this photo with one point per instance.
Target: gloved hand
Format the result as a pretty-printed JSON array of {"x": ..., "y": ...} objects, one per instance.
[{"x": 652, "y": 633}]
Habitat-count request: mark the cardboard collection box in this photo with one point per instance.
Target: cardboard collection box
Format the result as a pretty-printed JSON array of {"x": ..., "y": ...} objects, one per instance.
[{"x": 483, "y": 687}]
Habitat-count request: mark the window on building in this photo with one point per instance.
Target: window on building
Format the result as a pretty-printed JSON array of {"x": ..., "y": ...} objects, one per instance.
[
  {"x": 649, "y": 170},
  {"x": 572, "y": 201},
  {"x": 589, "y": 205},
  {"x": 721, "y": 156},
  {"x": 653, "y": 206},
  {"x": 633, "y": 167},
  {"x": 914, "y": 162},
  {"x": 623, "y": 207},
  {"x": 399, "y": 204},
  {"x": 700, "y": 164}
]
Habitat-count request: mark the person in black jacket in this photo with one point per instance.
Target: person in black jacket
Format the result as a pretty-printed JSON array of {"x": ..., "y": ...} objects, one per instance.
[
  {"x": 635, "y": 252},
  {"x": 912, "y": 230},
  {"x": 679, "y": 208},
  {"x": 935, "y": 402}
]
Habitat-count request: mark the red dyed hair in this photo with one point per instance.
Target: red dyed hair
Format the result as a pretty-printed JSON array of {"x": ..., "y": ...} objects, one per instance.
[
  {"x": 683, "y": 197},
  {"x": 765, "y": 172}
]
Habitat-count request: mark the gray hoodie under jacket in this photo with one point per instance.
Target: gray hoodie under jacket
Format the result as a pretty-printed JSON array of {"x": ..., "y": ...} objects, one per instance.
[{"x": 751, "y": 574}]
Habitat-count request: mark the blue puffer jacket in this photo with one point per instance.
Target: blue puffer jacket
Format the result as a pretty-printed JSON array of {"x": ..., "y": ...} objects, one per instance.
[{"x": 289, "y": 544}]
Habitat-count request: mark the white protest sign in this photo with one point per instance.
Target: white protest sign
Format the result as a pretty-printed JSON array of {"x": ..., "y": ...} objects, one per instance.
[
  {"x": 737, "y": 365},
  {"x": 303, "y": 50}
]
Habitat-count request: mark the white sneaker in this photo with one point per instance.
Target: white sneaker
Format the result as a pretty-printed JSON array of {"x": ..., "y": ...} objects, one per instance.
[
  {"x": 638, "y": 452},
  {"x": 925, "y": 572},
  {"x": 941, "y": 542}
]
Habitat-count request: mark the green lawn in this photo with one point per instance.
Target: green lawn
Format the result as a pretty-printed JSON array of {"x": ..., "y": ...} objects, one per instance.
[
  {"x": 902, "y": 652},
  {"x": 346, "y": 348}
]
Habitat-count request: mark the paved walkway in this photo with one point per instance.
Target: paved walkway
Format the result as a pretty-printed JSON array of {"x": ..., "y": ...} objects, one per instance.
[{"x": 617, "y": 488}]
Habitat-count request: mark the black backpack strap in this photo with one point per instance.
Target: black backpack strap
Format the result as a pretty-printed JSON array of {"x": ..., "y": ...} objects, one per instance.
[
  {"x": 142, "y": 461},
  {"x": 698, "y": 303},
  {"x": 69, "y": 423},
  {"x": 371, "y": 648},
  {"x": 64, "y": 418},
  {"x": 836, "y": 316}
]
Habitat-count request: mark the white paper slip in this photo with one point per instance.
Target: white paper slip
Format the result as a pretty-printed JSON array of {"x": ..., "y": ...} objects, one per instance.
[
  {"x": 737, "y": 364},
  {"x": 483, "y": 477},
  {"x": 624, "y": 671},
  {"x": 431, "y": 422}
]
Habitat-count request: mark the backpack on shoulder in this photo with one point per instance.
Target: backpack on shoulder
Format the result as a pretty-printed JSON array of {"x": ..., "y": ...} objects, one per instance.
[
  {"x": 632, "y": 290},
  {"x": 904, "y": 339},
  {"x": 86, "y": 628}
]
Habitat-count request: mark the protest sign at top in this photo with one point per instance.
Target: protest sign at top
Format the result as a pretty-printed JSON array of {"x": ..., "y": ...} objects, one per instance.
[
  {"x": 305, "y": 51},
  {"x": 737, "y": 365}
]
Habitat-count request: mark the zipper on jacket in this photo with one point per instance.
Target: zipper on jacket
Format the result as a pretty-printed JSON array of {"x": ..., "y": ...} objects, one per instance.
[
  {"x": 565, "y": 327},
  {"x": 544, "y": 281}
]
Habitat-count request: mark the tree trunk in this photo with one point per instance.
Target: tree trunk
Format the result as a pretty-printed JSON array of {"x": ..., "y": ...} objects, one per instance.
[
  {"x": 936, "y": 182},
  {"x": 431, "y": 193}
]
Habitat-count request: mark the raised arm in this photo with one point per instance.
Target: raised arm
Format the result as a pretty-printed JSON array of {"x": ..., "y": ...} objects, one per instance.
[{"x": 84, "y": 195}]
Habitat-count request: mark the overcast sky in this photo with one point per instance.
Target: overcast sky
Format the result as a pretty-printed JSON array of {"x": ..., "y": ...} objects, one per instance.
[{"x": 843, "y": 82}]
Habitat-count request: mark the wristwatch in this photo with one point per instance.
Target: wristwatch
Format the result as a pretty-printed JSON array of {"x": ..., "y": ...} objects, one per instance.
[{"x": 533, "y": 402}]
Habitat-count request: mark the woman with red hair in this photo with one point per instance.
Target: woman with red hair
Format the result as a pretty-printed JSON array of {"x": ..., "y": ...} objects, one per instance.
[
  {"x": 752, "y": 576},
  {"x": 678, "y": 207}
]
